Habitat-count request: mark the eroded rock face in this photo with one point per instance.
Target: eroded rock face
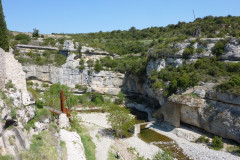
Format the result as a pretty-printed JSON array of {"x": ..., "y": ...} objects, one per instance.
[
  {"x": 216, "y": 116},
  {"x": 11, "y": 70},
  {"x": 68, "y": 74}
]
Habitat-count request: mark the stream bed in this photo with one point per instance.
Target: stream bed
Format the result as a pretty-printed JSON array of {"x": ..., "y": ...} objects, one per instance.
[{"x": 152, "y": 137}]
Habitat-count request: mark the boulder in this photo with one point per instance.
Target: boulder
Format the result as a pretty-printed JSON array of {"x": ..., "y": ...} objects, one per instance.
[{"x": 63, "y": 121}]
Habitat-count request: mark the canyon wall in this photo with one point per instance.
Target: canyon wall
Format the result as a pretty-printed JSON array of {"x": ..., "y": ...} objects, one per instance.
[{"x": 68, "y": 74}]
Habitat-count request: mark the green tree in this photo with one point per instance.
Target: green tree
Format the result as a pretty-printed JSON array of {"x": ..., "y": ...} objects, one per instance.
[
  {"x": 35, "y": 32},
  {"x": 120, "y": 120},
  {"x": 4, "y": 43}
]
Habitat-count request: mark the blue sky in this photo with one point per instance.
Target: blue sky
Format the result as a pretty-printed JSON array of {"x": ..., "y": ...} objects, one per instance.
[{"x": 84, "y": 16}]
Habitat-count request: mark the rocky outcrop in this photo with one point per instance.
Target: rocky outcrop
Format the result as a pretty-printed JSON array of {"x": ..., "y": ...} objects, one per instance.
[
  {"x": 75, "y": 149},
  {"x": 68, "y": 74},
  {"x": 215, "y": 115},
  {"x": 11, "y": 70},
  {"x": 63, "y": 121}
]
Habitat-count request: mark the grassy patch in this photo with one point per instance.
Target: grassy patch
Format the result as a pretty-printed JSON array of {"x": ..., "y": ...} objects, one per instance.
[
  {"x": 40, "y": 115},
  {"x": 44, "y": 146},
  {"x": 64, "y": 150},
  {"x": 6, "y": 157},
  {"x": 234, "y": 149}
]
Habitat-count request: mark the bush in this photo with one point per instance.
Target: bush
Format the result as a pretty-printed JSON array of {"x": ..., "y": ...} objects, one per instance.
[
  {"x": 9, "y": 85},
  {"x": 157, "y": 85},
  {"x": 165, "y": 155},
  {"x": 217, "y": 143},
  {"x": 120, "y": 98},
  {"x": 23, "y": 38},
  {"x": 97, "y": 98},
  {"x": 98, "y": 67},
  {"x": 218, "y": 49},
  {"x": 29, "y": 83},
  {"x": 39, "y": 104},
  {"x": 45, "y": 85},
  {"x": 81, "y": 87},
  {"x": 90, "y": 63},
  {"x": 188, "y": 51},
  {"x": 59, "y": 59},
  {"x": 199, "y": 50},
  {"x": 13, "y": 113},
  {"x": 202, "y": 139}
]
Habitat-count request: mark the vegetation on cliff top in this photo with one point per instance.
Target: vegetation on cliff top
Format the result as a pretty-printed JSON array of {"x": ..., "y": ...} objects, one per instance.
[
  {"x": 135, "y": 41},
  {"x": 172, "y": 79}
]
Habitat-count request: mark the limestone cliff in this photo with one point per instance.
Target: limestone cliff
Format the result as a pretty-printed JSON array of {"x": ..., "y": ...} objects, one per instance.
[
  {"x": 14, "y": 112},
  {"x": 68, "y": 74},
  {"x": 11, "y": 70}
]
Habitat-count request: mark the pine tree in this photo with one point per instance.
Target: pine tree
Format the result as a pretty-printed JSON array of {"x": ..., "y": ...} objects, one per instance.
[{"x": 4, "y": 44}]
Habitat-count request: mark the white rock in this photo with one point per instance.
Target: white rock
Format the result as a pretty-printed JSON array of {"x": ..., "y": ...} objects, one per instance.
[
  {"x": 63, "y": 121},
  {"x": 75, "y": 149}
]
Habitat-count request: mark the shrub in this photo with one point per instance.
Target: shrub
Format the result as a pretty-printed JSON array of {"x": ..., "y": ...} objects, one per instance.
[
  {"x": 81, "y": 87},
  {"x": 199, "y": 50},
  {"x": 165, "y": 155},
  {"x": 202, "y": 139},
  {"x": 49, "y": 41},
  {"x": 9, "y": 85},
  {"x": 59, "y": 59},
  {"x": 217, "y": 143},
  {"x": 29, "y": 83},
  {"x": 45, "y": 85},
  {"x": 97, "y": 98},
  {"x": 120, "y": 98},
  {"x": 157, "y": 85},
  {"x": 39, "y": 103},
  {"x": 23, "y": 38},
  {"x": 218, "y": 49},
  {"x": 13, "y": 113},
  {"x": 188, "y": 51},
  {"x": 90, "y": 63},
  {"x": 98, "y": 67}
]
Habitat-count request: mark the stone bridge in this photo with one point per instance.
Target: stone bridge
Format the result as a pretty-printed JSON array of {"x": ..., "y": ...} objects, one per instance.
[{"x": 137, "y": 127}]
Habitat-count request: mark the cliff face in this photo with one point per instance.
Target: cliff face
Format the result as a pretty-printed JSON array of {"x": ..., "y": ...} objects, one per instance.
[
  {"x": 13, "y": 98},
  {"x": 68, "y": 74},
  {"x": 11, "y": 70},
  {"x": 215, "y": 112}
]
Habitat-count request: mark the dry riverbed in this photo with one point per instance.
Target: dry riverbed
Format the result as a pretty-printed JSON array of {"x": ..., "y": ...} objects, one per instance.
[{"x": 131, "y": 148}]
